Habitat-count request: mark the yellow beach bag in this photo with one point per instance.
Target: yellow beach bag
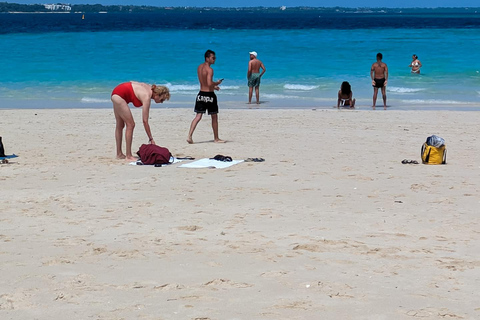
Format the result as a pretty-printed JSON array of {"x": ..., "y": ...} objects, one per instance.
[{"x": 433, "y": 155}]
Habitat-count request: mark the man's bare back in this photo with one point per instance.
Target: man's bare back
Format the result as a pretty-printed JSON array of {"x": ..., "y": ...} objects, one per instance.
[
  {"x": 205, "y": 76},
  {"x": 255, "y": 65},
  {"x": 379, "y": 68}
]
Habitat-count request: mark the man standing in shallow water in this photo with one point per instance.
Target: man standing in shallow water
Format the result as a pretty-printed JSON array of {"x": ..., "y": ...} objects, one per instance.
[
  {"x": 206, "y": 98},
  {"x": 379, "y": 75},
  {"x": 254, "y": 75}
]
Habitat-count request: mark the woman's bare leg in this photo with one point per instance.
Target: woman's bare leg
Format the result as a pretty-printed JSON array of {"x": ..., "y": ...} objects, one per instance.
[{"x": 124, "y": 119}]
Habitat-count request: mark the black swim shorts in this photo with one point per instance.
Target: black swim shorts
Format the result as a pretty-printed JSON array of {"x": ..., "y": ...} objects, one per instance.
[
  {"x": 379, "y": 83},
  {"x": 206, "y": 101}
]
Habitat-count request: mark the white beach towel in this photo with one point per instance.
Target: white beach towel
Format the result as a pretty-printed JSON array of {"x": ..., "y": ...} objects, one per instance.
[{"x": 210, "y": 163}]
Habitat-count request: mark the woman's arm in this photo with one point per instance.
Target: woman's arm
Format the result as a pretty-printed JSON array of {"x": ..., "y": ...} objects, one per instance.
[{"x": 145, "y": 116}]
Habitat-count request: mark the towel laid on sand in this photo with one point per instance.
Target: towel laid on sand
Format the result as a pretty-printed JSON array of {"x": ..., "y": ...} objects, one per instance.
[
  {"x": 9, "y": 157},
  {"x": 210, "y": 163}
]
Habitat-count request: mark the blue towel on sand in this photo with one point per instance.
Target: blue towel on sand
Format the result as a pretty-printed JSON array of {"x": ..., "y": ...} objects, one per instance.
[{"x": 8, "y": 157}]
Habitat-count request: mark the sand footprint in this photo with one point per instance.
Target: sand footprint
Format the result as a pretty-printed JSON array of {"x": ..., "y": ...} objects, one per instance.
[{"x": 227, "y": 283}]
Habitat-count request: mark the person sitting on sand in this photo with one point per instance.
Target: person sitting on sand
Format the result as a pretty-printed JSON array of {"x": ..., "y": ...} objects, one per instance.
[
  {"x": 415, "y": 65},
  {"x": 345, "y": 95},
  {"x": 140, "y": 94}
]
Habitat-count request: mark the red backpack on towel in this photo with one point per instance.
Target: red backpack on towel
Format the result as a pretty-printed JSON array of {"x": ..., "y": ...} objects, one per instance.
[{"x": 153, "y": 154}]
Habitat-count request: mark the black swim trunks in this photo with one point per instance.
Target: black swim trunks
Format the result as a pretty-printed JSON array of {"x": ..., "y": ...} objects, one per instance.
[
  {"x": 206, "y": 101},
  {"x": 379, "y": 83}
]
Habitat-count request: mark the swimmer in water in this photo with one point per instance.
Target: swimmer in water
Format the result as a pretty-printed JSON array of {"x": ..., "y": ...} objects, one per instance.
[{"x": 415, "y": 65}]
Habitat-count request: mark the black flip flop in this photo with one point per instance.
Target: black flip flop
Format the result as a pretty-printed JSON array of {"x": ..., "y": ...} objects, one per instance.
[{"x": 406, "y": 161}]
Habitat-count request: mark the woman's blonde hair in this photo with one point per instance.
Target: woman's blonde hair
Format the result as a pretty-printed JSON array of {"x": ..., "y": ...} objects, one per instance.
[{"x": 161, "y": 91}]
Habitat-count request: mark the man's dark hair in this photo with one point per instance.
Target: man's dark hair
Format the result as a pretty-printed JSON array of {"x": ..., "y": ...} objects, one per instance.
[
  {"x": 208, "y": 53},
  {"x": 379, "y": 56}
]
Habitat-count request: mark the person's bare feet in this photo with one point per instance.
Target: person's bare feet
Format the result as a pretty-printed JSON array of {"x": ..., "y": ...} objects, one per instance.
[
  {"x": 373, "y": 107},
  {"x": 190, "y": 140},
  {"x": 131, "y": 158},
  {"x": 121, "y": 156},
  {"x": 219, "y": 141}
]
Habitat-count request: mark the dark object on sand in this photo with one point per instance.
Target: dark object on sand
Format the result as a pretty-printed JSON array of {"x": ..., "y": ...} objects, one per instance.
[
  {"x": 2, "y": 149},
  {"x": 223, "y": 158},
  {"x": 406, "y": 161},
  {"x": 254, "y": 160}
]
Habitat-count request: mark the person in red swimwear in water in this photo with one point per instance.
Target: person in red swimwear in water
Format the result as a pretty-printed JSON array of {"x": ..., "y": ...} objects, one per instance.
[{"x": 141, "y": 95}]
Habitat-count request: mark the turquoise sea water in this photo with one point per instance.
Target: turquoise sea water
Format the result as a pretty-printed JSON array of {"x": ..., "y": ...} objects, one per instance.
[{"x": 305, "y": 67}]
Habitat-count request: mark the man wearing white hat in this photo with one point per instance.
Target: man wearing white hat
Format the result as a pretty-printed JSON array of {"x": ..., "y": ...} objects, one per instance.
[{"x": 254, "y": 75}]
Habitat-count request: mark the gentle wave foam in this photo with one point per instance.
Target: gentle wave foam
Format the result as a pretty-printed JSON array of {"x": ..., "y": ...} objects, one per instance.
[
  {"x": 403, "y": 90},
  {"x": 300, "y": 87},
  {"x": 279, "y": 96},
  {"x": 436, "y": 101},
  {"x": 229, "y": 87},
  {"x": 189, "y": 88},
  {"x": 94, "y": 100},
  {"x": 181, "y": 87}
]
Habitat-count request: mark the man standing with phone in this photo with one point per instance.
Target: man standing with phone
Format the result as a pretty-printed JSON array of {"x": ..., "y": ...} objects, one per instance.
[{"x": 206, "y": 98}]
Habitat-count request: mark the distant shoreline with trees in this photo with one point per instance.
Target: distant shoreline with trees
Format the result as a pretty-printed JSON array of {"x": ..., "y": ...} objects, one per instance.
[{"x": 98, "y": 8}]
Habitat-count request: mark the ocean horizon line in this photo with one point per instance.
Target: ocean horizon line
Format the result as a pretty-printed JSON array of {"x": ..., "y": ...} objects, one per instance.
[{"x": 94, "y": 7}]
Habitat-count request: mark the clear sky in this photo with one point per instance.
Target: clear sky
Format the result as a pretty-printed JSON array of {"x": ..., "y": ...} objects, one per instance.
[{"x": 273, "y": 3}]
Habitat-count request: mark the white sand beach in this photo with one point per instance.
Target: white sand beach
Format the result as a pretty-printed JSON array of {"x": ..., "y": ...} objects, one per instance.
[{"x": 331, "y": 226}]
